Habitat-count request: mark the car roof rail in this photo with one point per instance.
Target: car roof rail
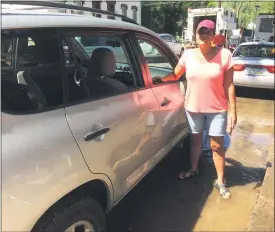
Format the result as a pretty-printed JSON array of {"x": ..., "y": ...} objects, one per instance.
[{"x": 67, "y": 6}]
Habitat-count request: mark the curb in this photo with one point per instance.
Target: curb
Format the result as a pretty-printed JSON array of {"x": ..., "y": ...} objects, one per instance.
[{"x": 262, "y": 218}]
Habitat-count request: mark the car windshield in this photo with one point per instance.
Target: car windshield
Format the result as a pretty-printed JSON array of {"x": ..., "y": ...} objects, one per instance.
[{"x": 263, "y": 51}]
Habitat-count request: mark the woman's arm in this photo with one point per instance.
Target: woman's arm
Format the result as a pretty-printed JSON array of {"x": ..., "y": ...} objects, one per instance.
[
  {"x": 177, "y": 72},
  {"x": 229, "y": 89},
  {"x": 173, "y": 76}
]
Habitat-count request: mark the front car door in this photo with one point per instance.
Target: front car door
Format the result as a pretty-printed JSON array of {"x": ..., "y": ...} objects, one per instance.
[
  {"x": 113, "y": 127},
  {"x": 170, "y": 96}
]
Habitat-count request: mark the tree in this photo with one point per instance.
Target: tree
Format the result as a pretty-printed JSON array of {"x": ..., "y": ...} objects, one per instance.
[
  {"x": 169, "y": 17},
  {"x": 246, "y": 10}
]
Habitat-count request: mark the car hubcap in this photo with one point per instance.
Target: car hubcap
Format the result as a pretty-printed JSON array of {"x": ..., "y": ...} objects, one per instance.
[{"x": 81, "y": 226}]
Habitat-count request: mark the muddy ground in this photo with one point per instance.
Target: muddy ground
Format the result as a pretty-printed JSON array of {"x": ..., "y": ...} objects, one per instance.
[{"x": 163, "y": 203}]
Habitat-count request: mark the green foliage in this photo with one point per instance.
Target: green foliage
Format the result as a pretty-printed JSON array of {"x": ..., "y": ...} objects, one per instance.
[
  {"x": 246, "y": 10},
  {"x": 170, "y": 17}
]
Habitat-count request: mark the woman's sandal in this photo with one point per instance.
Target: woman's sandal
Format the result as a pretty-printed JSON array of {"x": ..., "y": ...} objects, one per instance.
[{"x": 189, "y": 174}]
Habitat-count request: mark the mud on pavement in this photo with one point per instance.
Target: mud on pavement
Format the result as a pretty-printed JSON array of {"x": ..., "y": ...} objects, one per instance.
[
  {"x": 262, "y": 218},
  {"x": 163, "y": 203}
]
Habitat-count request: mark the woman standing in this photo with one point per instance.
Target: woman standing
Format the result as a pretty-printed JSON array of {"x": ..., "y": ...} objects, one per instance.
[{"x": 209, "y": 74}]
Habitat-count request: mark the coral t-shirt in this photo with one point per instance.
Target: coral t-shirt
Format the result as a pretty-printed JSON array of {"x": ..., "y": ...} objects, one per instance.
[{"x": 205, "y": 91}]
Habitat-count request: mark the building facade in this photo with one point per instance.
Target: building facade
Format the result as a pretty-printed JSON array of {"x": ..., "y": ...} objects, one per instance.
[{"x": 131, "y": 9}]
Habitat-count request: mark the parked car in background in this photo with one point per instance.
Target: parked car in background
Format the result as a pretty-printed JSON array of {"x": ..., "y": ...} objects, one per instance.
[
  {"x": 82, "y": 120},
  {"x": 176, "y": 46},
  {"x": 254, "y": 65}
]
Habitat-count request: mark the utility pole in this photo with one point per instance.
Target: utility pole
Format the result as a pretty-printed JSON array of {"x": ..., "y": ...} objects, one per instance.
[{"x": 219, "y": 4}]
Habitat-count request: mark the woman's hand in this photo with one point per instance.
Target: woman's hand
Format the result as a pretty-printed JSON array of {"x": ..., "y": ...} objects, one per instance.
[
  {"x": 175, "y": 75},
  {"x": 232, "y": 122},
  {"x": 229, "y": 89},
  {"x": 157, "y": 80}
]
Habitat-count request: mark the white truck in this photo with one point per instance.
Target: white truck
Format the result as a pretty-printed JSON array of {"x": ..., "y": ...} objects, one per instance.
[
  {"x": 264, "y": 27},
  {"x": 225, "y": 20}
]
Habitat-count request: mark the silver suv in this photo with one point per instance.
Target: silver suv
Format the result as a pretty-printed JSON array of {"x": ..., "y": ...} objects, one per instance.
[{"x": 82, "y": 121}]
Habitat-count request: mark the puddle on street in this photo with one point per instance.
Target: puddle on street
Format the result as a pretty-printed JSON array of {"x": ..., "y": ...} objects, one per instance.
[
  {"x": 261, "y": 138},
  {"x": 195, "y": 205},
  {"x": 245, "y": 169}
]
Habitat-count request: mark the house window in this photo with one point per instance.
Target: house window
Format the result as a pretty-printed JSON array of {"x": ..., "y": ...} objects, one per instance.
[
  {"x": 111, "y": 8},
  {"x": 134, "y": 13},
  {"x": 124, "y": 9},
  {"x": 96, "y": 5}
]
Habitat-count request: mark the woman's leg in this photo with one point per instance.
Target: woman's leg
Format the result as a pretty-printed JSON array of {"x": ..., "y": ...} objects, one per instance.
[
  {"x": 217, "y": 146},
  {"x": 195, "y": 150},
  {"x": 217, "y": 124},
  {"x": 196, "y": 123}
]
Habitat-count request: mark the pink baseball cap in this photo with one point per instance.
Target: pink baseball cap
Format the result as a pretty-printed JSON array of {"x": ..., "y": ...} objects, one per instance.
[{"x": 210, "y": 25}]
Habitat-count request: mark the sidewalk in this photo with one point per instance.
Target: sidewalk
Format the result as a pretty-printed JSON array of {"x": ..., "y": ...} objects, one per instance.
[{"x": 262, "y": 218}]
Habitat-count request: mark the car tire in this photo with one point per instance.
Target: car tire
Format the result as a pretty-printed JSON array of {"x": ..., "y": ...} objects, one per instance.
[{"x": 86, "y": 213}]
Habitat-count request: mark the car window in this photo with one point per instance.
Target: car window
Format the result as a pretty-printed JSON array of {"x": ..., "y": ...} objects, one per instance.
[
  {"x": 89, "y": 43},
  {"x": 6, "y": 52},
  {"x": 26, "y": 52},
  {"x": 264, "y": 51},
  {"x": 77, "y": 89},
  {"x": 158, "y": 63},
  {"x": 67, "y": 54},
  {"x": 108, "y": 71},
  {"x": 36, "y": 83}
]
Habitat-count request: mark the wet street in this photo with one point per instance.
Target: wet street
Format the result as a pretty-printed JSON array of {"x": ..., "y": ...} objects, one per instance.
[{"x": 163, "y": 203}]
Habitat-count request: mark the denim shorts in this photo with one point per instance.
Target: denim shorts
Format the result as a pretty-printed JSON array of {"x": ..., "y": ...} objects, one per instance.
[{"x": 216, "y": 123}]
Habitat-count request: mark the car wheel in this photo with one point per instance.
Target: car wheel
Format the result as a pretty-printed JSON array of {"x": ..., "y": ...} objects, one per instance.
[{"x": 85, "y": 215}]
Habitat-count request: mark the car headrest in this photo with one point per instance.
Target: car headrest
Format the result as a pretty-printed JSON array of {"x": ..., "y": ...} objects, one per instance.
[{"x": 102, "y": 63}]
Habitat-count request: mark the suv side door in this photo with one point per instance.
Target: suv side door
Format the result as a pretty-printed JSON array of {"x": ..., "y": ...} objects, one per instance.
[
  {"x": 37, "y": 144},
  {"x": 170, "y": 95},
  {"x": 114, "y": 130}
]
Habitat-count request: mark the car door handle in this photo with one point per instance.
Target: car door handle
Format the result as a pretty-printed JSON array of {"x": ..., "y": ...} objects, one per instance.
[
  {"x": 93, "y": 135},
  {"x": 165, "y": 102}
]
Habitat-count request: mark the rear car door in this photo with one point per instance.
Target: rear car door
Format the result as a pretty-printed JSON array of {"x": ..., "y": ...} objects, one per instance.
[
  {"x": 41, "y": 161},
  {"x": 157, "y": 60},
  {"x": 113, "y": 121}
]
